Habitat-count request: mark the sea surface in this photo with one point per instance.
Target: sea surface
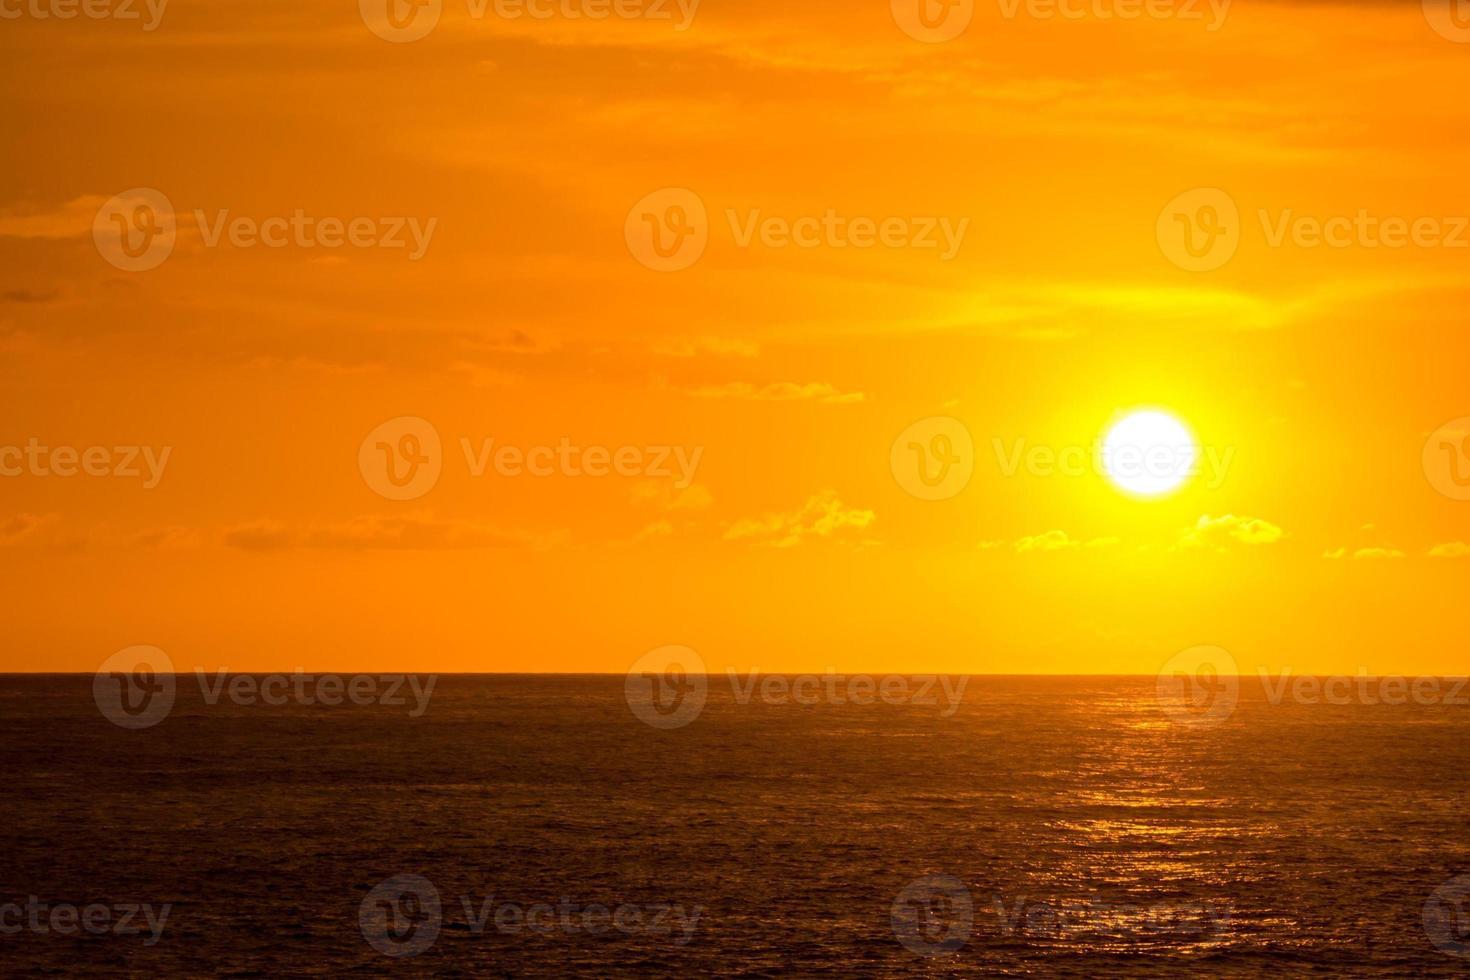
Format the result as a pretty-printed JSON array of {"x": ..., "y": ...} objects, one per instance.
[{"x": 536, "y": 826}]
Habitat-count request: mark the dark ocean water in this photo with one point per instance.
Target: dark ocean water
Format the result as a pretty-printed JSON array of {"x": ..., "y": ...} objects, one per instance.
[{"x": 1051, "y": 827}]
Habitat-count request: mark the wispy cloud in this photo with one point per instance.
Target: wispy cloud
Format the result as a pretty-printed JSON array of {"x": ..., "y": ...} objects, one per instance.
[
  {"x": 663, "y": 495},
  {"x": 70, "y": 220},
  {"x": 25, "y": 528},
  {"x": 1223, "y": 533},
  {"x": 413, "y": 532},
  {"x": 824, "y": 515},
  {"x": 1363, "y": 554},
  {"x": 717, "y": 346},
  {"x": 779, "y": 391},
  {"x": 1059, "y": 541}
]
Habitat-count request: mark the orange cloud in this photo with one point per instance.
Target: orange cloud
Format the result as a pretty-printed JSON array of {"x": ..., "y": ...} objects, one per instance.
[{"x": 823, "y": 516}]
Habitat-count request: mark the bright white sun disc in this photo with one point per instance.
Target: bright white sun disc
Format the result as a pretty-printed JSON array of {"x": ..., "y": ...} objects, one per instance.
[{"x": 1149, "y": 453}]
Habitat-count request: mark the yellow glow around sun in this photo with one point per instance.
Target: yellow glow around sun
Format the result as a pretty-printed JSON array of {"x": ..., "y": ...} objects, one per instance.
[{"x": 1149, "y": 453}]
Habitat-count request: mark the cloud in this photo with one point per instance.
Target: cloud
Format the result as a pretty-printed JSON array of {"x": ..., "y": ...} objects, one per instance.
[
  {"x": 480, "y": 376},
  {"x": 663, "y": 495},
  {"x": 1363, "y": 554},
  {"x": 48, "y": 530},
  {"x": 779, "y": 391},
  {"x": 1058, "y": 541},
  {"x": 164, "y": 537},
  {"x": 23, "y": 528},
  {"x": 1220, "y": 533},
  {"x": 29, "y": 295},
  {"x": 1453, "y": 549},
  {"x": 413, "y": 532},
  {"x": 823, "y": 516},
  {"x": 691, "y": 347},
  {"x": 72, "y": 220},
  {"x": 658, "y": 529}
]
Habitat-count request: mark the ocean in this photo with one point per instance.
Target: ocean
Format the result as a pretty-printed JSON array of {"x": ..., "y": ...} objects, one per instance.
[{"x": 540, "y": 826}]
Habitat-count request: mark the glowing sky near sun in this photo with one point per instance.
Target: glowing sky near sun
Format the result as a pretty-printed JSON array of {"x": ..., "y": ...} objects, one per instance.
[{"x": 954, "y": 255}]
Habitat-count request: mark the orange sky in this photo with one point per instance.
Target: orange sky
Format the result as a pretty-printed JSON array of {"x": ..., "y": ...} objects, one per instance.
[{"x": 1056, "y": 143}]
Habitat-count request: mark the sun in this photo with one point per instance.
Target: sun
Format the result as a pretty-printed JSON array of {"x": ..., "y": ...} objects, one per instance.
[{"x": 1149, "y": 453}]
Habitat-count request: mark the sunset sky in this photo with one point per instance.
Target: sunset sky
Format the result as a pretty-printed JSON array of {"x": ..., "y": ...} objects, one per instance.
[{"x": 1330, "y": 543}]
